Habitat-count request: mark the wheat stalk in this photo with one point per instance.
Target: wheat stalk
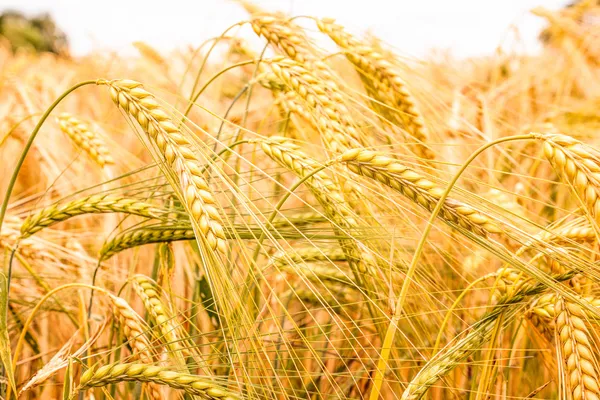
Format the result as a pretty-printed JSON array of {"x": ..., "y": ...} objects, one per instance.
[
  {"x": 447, "y": 359},
  {"x": 178, "y": 154},
  {"x": 82, "y": 135},
  {"x": 192, "y": 384}
]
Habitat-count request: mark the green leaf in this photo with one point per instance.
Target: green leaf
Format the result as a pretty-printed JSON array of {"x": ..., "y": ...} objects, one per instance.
[
  {"x": 5, "y": 353},
  {"x": 68, "y": 383}
]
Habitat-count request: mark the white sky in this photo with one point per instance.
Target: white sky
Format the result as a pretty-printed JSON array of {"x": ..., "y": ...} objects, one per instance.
[{"x": 466, "y": 27}]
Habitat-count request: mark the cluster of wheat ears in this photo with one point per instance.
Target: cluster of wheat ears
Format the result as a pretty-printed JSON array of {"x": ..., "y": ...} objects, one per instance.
[{"x": 295, "y": 222}]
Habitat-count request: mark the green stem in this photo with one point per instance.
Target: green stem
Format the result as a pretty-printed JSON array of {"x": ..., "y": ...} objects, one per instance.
[
  {"x": 211, "y": 80},
  {"x": 453, "y": 306},
  {"x": 212, "y": 47},
  {"x": 386, "y": 348},
  {"x": 15, "y": 126}
]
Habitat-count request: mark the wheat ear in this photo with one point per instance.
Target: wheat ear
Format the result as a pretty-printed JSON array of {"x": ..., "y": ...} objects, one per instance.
[
  {"x": 417, "y": 188},
  {"x": 191, "y": 384},
  {"x": 578, "y": 165},
  {"x": 577, "y": 351},
  {"x": 85, "y": 138},
  {"x": 331, "y": 116},
  {"x": 295, "y": 261},
  {"x": 383, "y": 80},
  {"x": 285, "y": 35},
  {"x": 542, "y": 315},
  {"x": 447, "y": 359},
  {"x": 29, "y": 247},
  {"x": 328, "y": 193},
  {"x": 172, "y": 233},
  {"x": 134, "y": 330},
  {"x": 148, "y": 291},
  {"x": 95, "y": 204},
  {"x": 178, "y": 153}
]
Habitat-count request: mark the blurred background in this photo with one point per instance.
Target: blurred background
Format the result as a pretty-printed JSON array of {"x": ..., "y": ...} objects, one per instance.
[{"x": 465, "y": 28}]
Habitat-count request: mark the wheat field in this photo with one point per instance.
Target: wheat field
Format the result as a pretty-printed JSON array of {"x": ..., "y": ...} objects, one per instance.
[{"x": 319, "y": 218}]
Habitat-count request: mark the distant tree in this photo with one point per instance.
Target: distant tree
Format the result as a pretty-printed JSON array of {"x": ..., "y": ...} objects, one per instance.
[
  {"x": 582, "y": 13},
  {"x": 39, "y": 33}
]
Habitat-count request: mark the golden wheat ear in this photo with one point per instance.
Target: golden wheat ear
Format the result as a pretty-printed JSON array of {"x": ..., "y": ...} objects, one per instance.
[
  {"x": 177, "y": 152},
  {"x": 85, "y": 138},
  {"x": 577, "y": 350},
  {"x": 383, "y": 81},
  {"x": 191, "y": 384}
]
